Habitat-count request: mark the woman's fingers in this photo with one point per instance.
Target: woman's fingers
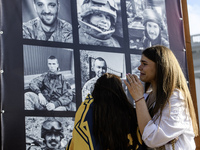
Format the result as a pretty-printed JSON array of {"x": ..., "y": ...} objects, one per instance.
[
  {"x": 134, "y": 86},
  {"x": 135, "y": 78},
  {"x": 128, "y": 85},
  {"x": 129, "y": 78}
]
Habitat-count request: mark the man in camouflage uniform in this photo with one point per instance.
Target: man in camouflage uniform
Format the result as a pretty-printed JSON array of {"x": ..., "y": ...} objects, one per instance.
[
  {"x": 97, "y": 20},
  {"x": 47, "y": 26},
  {"x": 100, "y": 67},
  {"x": 50, "y": 91}
]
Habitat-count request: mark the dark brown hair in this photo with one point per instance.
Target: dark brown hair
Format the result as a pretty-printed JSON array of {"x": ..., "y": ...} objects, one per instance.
[{"x": 113, "y": 115}]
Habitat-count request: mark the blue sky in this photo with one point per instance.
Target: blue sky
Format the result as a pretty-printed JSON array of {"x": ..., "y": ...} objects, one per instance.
[
  {"x": 194, "y": 16},
  {"x": 193, "y": 2}
]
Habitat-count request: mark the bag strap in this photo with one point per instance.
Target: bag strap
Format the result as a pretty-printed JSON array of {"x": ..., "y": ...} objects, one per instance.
[{"x": 172, "y": 142}]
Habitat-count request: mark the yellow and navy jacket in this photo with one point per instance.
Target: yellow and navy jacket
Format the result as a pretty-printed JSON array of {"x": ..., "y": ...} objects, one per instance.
[{"x": 83, "y": 138}]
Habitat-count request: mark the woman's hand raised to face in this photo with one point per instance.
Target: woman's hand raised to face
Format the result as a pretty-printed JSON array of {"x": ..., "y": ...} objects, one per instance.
[{"x": 135, "y": 86}]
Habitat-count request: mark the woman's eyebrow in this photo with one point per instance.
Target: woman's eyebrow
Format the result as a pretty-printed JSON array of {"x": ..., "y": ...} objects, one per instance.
[{"x": 143, "y": 61}]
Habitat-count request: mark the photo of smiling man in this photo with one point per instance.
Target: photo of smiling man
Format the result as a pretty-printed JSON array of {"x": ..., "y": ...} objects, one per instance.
[
  {"x": 47, "y": 24},
  {"x": 153, "y": 27},
  {"x": 147, "y": 23},
  {"x": 99, "y": 22},
  {"x": 48, "y": 133}
]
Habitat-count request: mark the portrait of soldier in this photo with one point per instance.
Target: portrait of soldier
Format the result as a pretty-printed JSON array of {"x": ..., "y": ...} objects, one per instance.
[
  {"x": 97, "y": 21},
  {"x": 99, "y": 67},
  {"x": 47, "y": 26},
  {"x": 147, "y": 23},
  {"x": 52, "y": 135},
  {"x": 50, "y": 91},
  {"x": 153, "y": 24}
]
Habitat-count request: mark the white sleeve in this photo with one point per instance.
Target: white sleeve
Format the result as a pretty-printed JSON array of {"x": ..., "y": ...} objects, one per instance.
[{"x": 172, "y": 124}]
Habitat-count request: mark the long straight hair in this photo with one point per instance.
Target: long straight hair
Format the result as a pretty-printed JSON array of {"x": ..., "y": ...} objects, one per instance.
[
  {"x": 113, "y": 115},
  {"x": 169, "y": 76}
]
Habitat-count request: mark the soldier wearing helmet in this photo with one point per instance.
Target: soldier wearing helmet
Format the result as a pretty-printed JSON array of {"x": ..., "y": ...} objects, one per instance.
[
  {"x": 153, "y": 26},
  {"x": 97, "y": 20},
  {"x": 52, "y": 133}
]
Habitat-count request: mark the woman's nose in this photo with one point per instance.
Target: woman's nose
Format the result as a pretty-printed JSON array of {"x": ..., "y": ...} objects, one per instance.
[{"x": 139, "y": 67}]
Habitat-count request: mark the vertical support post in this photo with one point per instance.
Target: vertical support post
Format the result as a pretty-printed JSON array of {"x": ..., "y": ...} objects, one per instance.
[{"x": 190, "y": 63}]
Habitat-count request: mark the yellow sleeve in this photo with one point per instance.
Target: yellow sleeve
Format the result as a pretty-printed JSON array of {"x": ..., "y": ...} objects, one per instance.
[{"x": 81, "y": 138}]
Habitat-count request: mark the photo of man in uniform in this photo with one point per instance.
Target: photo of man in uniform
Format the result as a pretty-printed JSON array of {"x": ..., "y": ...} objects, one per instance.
[
  {"x": 94, "y": 64},
  {"x": 47, "y": 26},
  {"x": 147, "y": 23},
  {"x": 153, "y": 26},
  {"x": 50, "y": 91},
  {"x": 50, "y": 134},
  {"x": 99, "y": 67},
  {"x": 97, "y": 20}
]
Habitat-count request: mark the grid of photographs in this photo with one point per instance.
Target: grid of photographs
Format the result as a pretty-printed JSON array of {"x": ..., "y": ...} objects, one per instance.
[{"x": 68, "y": 45}]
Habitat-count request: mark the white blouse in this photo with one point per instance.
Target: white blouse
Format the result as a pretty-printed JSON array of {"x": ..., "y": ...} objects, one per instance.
[{"x": 175, "y": 122}]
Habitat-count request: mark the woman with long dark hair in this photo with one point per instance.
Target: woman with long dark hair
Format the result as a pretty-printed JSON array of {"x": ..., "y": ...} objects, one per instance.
[
  {"x": 106, "y": 120},
  {"x": 167, "y": 118}
]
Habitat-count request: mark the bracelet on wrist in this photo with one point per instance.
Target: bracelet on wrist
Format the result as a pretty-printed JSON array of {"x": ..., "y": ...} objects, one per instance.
[{"x": 139, "y": 99}]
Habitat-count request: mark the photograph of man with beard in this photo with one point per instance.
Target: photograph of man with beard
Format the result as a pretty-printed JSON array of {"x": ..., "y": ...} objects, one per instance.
[
  {"x": 94, "y": 64},
  {"x": 147, "y": 23},
  {"x": 97, "y": 20},
  {"x": 47, "y": 25},
  {"x": 50, "y": 134},
  {"x": 153, "y": 24},
  {"x": 99, "y": 67}
]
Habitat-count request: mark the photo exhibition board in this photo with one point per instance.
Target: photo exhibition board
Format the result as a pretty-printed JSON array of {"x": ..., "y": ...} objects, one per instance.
[{"x": 50, "y": 47}]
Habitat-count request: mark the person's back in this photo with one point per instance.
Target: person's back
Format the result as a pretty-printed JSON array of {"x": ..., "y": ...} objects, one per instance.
[{"x": 106, "y": 119}]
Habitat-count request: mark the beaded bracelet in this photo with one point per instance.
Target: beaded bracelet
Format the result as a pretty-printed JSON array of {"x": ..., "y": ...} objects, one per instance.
[{"x": 139, "y": 99}]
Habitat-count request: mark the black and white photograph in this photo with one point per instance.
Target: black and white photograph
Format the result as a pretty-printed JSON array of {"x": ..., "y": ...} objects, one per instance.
[
  {"x": 147, "y": 23},
  {"x": 100, "y": 22},
  {"x": 94, "y": 64},
  {"x": 135, "y": 63},
  {"x": 53, "y": 52},
  {"x": 47, "y": 20},
  {"x": 49, "y": 79},
  {"x": 48, "y": 132}
]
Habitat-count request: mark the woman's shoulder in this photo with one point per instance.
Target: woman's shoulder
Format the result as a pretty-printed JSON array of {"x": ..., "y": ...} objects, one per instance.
[
  {"x": 177, "y": 94},
  {"x": 176, "y": 100}
]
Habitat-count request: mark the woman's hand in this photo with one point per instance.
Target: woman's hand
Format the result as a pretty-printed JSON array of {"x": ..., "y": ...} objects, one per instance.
[
  {"x": 135, "y": 86},
  {"x": 136, "y": 90}
]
